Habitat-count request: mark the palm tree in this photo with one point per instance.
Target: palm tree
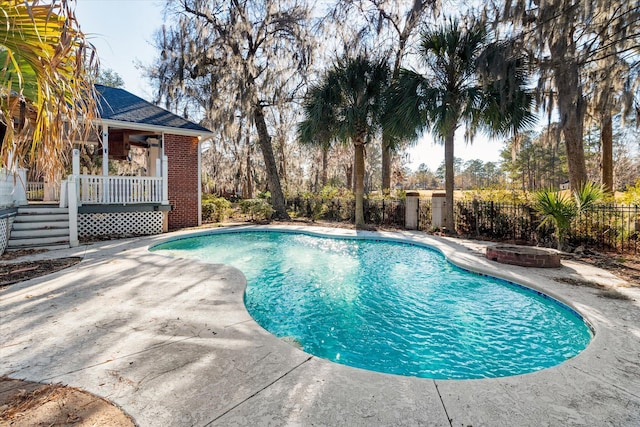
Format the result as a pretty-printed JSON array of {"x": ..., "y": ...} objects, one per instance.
[
  {"x": 315, "y": 129},
  {"x": 44, "y": 79},
  {"x": 347, "y": 105},
  {"x": 454, "y": 92}
]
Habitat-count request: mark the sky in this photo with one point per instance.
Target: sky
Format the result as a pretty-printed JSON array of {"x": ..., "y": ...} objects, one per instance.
[{"x": 122, "y": 32}]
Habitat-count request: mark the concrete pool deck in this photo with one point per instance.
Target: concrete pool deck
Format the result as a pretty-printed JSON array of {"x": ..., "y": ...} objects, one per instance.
[{"x": 170, "y": 342}]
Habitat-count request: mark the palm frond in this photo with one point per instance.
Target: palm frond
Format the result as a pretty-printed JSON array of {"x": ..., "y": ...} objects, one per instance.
[
  {"x": 587, "y": 195},
  {"x": 557, "y": 209},
  {"x": 407, "y": 101},
  {"x": 44, "y": 56}
]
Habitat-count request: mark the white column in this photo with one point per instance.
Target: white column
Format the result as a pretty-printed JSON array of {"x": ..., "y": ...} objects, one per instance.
[
  {"x": 6, "y": 188},
  {"x": 105, "y": 151},
  {"x": 411, "y": 211},
  {"x": 165, "y": 180},
  {"x": 105, "y": 163},
  {"x": 64, "y": 199},
  {"x": 153, "y": 157},
  {"x": 75, "y": 162},
  {"x": 438, "y": 210},
  {"x": 199, "y": 182},
  {"x": 75, "y": 170},
  {"x": 73, "y": 210},
  {"x": 20, "y": 190}
]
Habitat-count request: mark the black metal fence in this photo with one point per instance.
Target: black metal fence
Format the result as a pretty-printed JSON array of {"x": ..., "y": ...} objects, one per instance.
[
  {"x": 501, "y": 221},
  {"x": 385, "y": 212},
  {"x": 424, "y": 215},
  {"x": 605, "y": 227},
  {"x": 608, "y": 227},
  {"x": 318, "y": 208}
]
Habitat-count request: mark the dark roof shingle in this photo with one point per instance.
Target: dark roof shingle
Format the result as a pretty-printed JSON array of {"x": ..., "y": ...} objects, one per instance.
[{"x": 118, "y": 104}]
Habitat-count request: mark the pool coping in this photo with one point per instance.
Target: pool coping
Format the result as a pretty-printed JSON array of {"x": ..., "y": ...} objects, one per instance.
[{"x": 176, "y": 373}]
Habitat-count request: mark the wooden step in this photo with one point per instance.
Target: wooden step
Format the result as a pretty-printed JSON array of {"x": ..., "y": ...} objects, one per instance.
[
  {"x": 45, "y": 247},
  {"x": 40, "y": 218},
  {"x": 42, "y": 210},
  {"x": 39, "y": 225},
  {"x": 36, "y": 233},
  {"x": 39, "y": 242}
]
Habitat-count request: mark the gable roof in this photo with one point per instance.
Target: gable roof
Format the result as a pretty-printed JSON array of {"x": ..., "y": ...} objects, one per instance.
[{"x": 117, "y": 107}]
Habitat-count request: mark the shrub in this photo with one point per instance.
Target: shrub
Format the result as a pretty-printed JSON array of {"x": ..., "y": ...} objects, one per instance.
[
  {"x": 329, "y": 192},
  {"x": 497, "y": 195},
  {"x": 632, "y": 195},
  {"x": 326, "y": 204},
  {"x": 215, "y": 209},
  {"x": 258, "y": 209}
]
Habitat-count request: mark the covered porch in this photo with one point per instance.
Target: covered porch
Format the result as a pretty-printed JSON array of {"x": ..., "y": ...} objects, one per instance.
[
  {"x": 134, "y": 169},
  {"x": 138, "y": 174}
]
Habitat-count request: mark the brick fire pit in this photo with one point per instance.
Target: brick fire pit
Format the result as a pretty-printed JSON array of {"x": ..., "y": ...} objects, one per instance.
[{"x": 524, "y": 256}]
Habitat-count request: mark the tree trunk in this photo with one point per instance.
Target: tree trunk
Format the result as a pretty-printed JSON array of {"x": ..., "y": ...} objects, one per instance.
[
  {"x": 386, "y": 165},
  {"x": 353, "y": 178},
  {"x": 325, "y": 153},
  {"x": 277, "y": 198},
  {"x": 359, "y": 190},
  {"x": 349, "y": 175},
  {"x": 315, "y": 180},
  {"x": 449, "y": 179},
  {"x": 249, "y": 189},
  {"x": 575, "y": 156},
  {"x": 283, "y": 162},
  {"x": 553, "y": 164},
  {"x": 606, "y": 141},
  {"x": 571, "y": 106}
]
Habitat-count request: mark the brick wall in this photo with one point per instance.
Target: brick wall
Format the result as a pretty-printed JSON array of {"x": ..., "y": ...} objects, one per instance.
[{"x": 182, "y": 157}]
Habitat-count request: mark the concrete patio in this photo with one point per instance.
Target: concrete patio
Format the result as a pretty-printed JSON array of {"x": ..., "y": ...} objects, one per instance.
[{"x": 170, "y": 342}]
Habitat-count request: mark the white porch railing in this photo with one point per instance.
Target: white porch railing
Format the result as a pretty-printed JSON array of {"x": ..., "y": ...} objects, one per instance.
[
  {"x": 35, "y": 190},
  {"x": 119, "y": 190}
]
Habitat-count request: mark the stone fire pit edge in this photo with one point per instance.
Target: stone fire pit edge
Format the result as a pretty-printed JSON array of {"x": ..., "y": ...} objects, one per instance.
[{"x": 524, "y": 256}]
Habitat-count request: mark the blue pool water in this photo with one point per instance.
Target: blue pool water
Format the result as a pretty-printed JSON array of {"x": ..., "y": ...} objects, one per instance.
[{"x": 392, "y": 307}]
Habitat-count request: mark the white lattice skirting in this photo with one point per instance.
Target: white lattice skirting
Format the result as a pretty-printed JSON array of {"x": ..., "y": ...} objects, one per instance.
[
  {"x": 118, "y": 223},
  {"x": 5, "y": 227}
]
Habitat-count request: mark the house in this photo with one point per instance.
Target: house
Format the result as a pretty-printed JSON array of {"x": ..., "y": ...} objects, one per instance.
[{"x": 161, "y": 193}]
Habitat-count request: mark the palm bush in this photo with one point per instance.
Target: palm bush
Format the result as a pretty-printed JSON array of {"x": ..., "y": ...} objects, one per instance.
[
  {"x": 560, "y": 209},
  {"x": 587, "y": 196},
  {"x": 557, "y": 209}
]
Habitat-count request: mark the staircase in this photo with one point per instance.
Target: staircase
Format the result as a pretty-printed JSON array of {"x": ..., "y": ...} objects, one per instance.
[{"x": 40, "y": 226}]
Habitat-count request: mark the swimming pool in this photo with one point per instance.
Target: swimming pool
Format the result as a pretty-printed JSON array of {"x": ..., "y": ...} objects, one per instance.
[{"x": 391, "y": 307}]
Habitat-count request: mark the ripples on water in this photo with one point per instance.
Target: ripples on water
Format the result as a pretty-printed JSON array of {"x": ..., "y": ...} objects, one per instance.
[{"x": 391, "y": 307}]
